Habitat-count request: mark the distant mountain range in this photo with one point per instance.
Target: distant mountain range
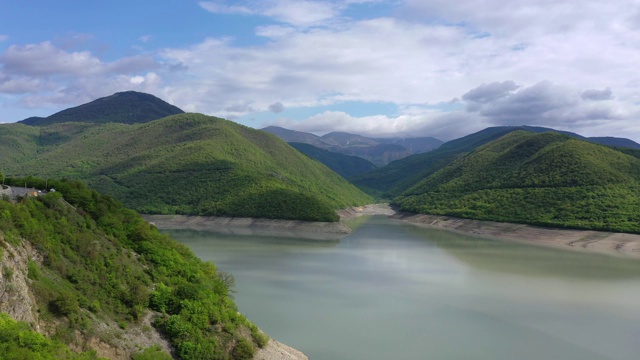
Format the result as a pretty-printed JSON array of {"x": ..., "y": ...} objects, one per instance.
[
  {"x": 345, "y": 165},
  {"x": 379, "y": 151},
  {"x": 128, "y": 107}
]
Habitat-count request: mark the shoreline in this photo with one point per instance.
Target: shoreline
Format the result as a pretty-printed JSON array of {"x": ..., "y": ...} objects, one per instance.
[
  {"x": 616, "y": 244},
  {"x": 330, "y": 231}
]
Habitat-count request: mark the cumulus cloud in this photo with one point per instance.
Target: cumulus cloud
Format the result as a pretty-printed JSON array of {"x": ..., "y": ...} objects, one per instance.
[
  {"x": 531, "y": 61},
  {"x": 444, "y": 126},
  {"x": 276, "y": 107},
  {"x": 597, "y": 95},
  {"x": 494, "y": 104},
  {"x": 46, "y": 59},
  {"x": 49, "y": 76},
  {"x": 540, "y": 104}
]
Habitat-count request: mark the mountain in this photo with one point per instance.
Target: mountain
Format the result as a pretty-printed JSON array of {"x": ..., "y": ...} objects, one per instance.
[
  {"x": 391, "y": 180},
  {"x": 416, "y": 145},
  {"x": 344, "y": 139},
  {"x": 296, "y": 136},
  {"x": 398, "y": 176},
  {"x": 379, "y": 151},
  {"x": 128, "y": 107},
  {"x": 81, "y": 268},
  {"x": 615, "y": 141},
  {"x": 185, "y": 164},
  {"x": 345, "y": 165},
  {"x": 547, "y": 179}
]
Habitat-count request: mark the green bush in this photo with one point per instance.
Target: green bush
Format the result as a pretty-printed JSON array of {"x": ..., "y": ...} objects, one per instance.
[
  {"x": 152, "y": 353},
  {"x": 243, "y": 350}
]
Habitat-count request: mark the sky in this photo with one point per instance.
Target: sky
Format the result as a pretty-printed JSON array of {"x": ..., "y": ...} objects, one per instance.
[{"x": 402, "y": 68}]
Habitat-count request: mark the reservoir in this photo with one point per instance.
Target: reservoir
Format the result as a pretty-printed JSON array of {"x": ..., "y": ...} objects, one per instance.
[{"x": 392, "y": 290}]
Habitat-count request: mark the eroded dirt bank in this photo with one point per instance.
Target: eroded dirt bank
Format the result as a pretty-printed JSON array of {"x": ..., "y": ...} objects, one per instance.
[{"x": 627, "y": 245}]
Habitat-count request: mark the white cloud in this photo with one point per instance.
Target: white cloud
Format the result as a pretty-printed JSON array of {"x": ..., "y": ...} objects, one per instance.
[
  {"x": 301, "y": 13},
  {"x": 531, "y": 61},
  {"x": 444, "y": 126},
  {"x": 3, "y": 37},
  {"x": 216, "y": 8},
  {"x": 45, "y": 59},
  {"x": 49, "y": 76}
]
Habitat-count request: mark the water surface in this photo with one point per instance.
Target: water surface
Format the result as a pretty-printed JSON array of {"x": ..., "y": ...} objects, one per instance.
[{"x": 392, "y": 290}]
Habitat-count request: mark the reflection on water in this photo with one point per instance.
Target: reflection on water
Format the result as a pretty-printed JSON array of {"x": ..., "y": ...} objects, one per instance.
[
  {"x": 508, "y": 257},
  {"x": 392, "y": 290}
]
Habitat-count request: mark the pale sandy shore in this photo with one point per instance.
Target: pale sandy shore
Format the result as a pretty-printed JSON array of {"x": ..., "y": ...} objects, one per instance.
[
  {"x": 278, "y": 351},
  {"x": 627, "y": 245}
]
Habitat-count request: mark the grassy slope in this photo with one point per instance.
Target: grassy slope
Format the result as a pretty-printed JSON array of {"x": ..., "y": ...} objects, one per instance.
[
  {"x": 188, "y": 163},
  {"x": 545, "y": 179},
  {"x": 103, "y": 263}
]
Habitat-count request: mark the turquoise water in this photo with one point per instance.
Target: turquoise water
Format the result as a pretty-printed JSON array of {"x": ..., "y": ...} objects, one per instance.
[{"x": 392, "y": 290}]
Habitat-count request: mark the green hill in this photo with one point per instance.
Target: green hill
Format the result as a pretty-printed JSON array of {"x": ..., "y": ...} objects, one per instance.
[
  {"x": 345, "y": 165},
  {"x": 103, "y": 278},
  {"x": 186, "y": 164},
  {"x": 546, "y": 179},
  {"x": 128, "y": 107},
  {"x": 398, "y": 176}
]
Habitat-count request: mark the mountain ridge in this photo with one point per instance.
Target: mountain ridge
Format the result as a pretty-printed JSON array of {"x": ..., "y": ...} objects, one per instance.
[
  {"x": 397, "y": 176},
  {"x": 547, "y": 179}
]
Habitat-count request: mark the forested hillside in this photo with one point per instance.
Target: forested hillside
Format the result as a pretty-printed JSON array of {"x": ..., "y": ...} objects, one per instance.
[
  {"x": 186, "y": 164},
  {"x": 398, "y": 176},
  {"x": 546, "y": 179},
  {"x": 345, "y": 165},
  {"x": 98, "y": 269}
]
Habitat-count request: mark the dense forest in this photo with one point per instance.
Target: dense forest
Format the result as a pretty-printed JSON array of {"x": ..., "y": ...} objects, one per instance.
[
  {"x": 101, "y": 263},
  {"x": 545, "y": 179},
  {"x": 183, "y": 164},
  {"x": 345, "y": 165}
]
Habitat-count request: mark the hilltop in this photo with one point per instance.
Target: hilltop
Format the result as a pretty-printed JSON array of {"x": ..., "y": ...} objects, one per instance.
[
  {"x": 128, "y": 107},
  {"x": 546, "y": 179},
  {"x": 183, "y": 164}
]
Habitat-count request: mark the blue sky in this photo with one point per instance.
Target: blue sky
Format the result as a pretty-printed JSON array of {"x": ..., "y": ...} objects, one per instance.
[{"x": 384, "y": 68}]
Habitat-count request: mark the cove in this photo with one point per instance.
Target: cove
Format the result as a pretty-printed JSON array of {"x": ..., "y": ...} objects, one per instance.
[{"x": 392, "y": 290}]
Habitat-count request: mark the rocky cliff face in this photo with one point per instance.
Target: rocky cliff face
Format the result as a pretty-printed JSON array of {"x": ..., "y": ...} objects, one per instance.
[
  {"x": 18, "y": 301},
  {"x": 16, "y": 297}
]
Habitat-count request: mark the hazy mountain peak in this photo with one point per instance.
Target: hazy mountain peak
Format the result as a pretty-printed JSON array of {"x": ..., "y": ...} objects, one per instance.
[{"x": 128, "y": 107}]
